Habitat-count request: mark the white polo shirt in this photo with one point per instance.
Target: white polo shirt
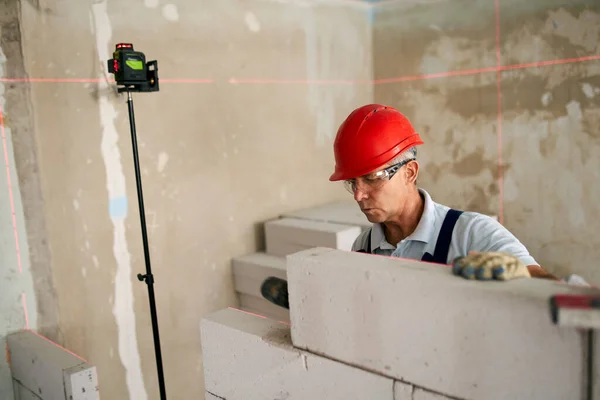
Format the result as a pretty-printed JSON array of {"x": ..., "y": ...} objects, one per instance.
[{"x": 472, "y": 232}]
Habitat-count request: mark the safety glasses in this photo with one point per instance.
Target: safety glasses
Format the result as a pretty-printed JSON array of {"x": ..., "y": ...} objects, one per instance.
[{"x": 374, "y": 180}]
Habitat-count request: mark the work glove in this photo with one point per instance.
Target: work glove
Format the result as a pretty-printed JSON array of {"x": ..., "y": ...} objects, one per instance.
[{"x": 490, "y": 265}]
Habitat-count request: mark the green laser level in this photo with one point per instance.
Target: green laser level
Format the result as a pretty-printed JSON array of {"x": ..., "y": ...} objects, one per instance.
[{"x": 132, "y": 71}]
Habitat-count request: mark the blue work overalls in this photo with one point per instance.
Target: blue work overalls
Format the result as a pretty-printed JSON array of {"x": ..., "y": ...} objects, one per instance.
[{"x": 440, "y": 255}]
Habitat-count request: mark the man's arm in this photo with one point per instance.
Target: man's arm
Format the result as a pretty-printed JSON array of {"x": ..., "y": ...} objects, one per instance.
[{"x": 486, "y": 235}]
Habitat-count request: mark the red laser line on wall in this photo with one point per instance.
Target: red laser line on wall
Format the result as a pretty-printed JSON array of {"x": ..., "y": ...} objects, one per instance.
[
  {"x": 57, "y": 345},
  {"x": 499, "y": 118},
  {"x": 92, "y": 80},
  {"x": 407, "y": 78},
  {"x": 256, "y": 315}
]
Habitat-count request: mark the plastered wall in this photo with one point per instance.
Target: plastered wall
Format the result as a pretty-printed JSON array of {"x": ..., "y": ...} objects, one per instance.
[
  {"x": 507, "y": 97},
  {"x": 241, "y": 131}
]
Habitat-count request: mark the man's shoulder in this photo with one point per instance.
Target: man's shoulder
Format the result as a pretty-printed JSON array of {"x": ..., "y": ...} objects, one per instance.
[
  {"x": 472, "y": 221},
  {"x": 473, "y": 217}
]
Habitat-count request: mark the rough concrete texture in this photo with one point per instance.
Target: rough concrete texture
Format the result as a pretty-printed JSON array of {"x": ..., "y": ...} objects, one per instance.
[
  {"x": 285, "y": 236},
  {"x": 544, "y": 136},
  {"x": 22, "y": 393},
  {"x": 417, "y": 322},
  {"x": 218, "y": 158},
  {"x": 403, "y": 391},
  {"x": 420, "y": 394},
  {"x": 26, "y": 293},
  {"x": 247, "y": 357}
]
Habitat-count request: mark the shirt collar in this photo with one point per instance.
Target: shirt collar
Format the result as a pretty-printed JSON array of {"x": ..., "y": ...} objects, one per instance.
[{"x": 422, "y": 233}]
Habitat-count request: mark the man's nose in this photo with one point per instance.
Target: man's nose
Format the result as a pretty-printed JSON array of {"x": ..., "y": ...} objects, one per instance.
[{"x": 359, "y": 195}]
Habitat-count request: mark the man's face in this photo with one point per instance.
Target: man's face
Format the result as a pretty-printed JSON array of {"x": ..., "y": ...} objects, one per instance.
[{"x": 380, "y": 197}]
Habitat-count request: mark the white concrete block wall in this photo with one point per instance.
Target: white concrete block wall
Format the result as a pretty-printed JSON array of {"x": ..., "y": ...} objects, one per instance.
[
  {"x": 250, "y": 271},
  {"x": 247, "y": 357},
  {"x": 421, "y": 394},
  {"x": 48, "y": 370},
  {"x": 344, "y": 212},
  {"x": 22, "y": 393},
  {"x": 418, "y": 323},
  {"x": 288, "y": 235},
  {"x": 403, "y": 391},
  {"x": 261, "y": 306}
]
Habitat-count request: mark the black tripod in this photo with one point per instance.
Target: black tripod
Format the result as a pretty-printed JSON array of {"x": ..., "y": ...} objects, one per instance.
[
  {"x": 148, "y": 277},
  {"x": 134, "y": 74}
]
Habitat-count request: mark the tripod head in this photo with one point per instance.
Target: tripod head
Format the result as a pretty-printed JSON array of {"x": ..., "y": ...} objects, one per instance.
[{"x": 132, "y": 72}]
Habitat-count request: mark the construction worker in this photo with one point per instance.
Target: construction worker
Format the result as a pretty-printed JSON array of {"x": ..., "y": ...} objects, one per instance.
[{"x": 376, "y": 157}]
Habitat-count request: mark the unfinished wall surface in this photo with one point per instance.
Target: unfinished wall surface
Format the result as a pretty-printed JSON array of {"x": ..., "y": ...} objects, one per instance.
[
  {"x": 241, "y": 131},
  {"x": 531, "y": 159},
  {"x": 251, "y": 95},
  {"x": 27, "y": 298}
]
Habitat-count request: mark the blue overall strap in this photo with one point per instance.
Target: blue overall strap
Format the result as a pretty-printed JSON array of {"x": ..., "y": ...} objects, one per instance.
[
  {"x": 440, "y": 255},
  {"x": 368, "y": 249}
]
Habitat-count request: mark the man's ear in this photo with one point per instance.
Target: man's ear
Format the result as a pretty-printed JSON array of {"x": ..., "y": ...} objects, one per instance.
[{"x": 412, "y": 171}]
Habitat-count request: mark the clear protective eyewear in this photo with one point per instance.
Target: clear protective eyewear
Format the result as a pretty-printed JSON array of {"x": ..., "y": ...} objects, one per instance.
[{"x": 374, "y": 180}]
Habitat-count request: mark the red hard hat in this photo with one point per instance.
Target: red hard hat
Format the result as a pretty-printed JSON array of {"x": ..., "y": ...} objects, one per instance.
[{"x": 370, "y": 137}]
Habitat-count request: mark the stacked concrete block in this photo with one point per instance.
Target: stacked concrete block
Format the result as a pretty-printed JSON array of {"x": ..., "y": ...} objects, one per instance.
[
  {"x": 344, "y": 213},
  {"x": 334, "y": 225},
  {"x": 289, "y": 235},
  {"x": 247, "y": 358},
  {"x": 249, "y": 272},
  {"x": 22, "y": 393},
  {"x": 418, "y": 323},
  {"x": 44, "y": 370}
]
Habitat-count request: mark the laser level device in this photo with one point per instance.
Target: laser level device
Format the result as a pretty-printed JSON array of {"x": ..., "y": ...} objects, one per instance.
[{"x": 131, "y": 70}]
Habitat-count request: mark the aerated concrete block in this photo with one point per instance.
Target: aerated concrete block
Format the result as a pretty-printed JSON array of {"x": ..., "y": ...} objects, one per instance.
[
  {"x": 261, "y": 306},
  {"x": 403, "y": 391},
  {"x": 288, "y": 235},
  {"x": 343, "y": 212},
  {"x": 22, "y": 393},
  {"x": 50, "y": 371},
  {"x": 420, "y": 394},
  {"x": 247, "y": 358},
  {"x": 250, "y": 271},
  {"x": 418, "y": 323}
]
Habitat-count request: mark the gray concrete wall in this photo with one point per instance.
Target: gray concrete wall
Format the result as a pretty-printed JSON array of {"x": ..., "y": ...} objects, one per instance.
[
  {"x": 218, "y": 159},
  {"x": 27, "y": 297},
  {"x": 534, "y": 161}
]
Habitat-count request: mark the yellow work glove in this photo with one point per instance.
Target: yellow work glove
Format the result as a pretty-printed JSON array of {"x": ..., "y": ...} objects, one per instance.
[{"x": 490, "y": 265}]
